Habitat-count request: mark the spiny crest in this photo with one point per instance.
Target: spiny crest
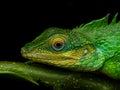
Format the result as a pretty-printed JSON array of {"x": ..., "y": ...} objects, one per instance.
[{"x": 98, "y": 23}]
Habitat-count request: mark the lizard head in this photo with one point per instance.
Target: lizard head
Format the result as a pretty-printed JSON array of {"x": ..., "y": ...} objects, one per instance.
[{"x": 64, "y": 48}]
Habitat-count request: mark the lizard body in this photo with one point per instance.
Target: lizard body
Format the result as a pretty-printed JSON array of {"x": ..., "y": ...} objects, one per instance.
[{"x": 90, "y": 47}]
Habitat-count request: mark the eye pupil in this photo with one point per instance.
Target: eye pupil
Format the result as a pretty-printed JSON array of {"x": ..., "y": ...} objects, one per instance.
[{"x": 58, "y": 44}]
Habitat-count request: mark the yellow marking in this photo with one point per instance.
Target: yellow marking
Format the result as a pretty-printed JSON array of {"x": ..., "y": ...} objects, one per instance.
[
  {"x": 63, "y": 58},
  {"x": 57, "y": 39}
]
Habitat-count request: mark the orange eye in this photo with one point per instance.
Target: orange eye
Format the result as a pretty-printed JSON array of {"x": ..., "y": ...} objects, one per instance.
[{"x": 58, "y": 43}]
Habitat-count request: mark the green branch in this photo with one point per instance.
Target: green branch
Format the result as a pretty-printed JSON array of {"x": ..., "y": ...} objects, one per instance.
[{"x": 57, "y": 78}]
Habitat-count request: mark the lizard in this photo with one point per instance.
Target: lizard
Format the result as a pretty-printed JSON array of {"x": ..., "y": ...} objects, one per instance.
[{"x": 91, "y": 47}]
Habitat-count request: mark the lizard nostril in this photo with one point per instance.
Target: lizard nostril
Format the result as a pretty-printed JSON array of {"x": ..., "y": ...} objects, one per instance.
[
  {"x": 26, "y": 50},
  {"x": 23, "y": 50}
]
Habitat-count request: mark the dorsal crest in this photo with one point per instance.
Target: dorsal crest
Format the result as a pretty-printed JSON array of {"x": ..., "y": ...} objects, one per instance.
[{"x": 98, "y": 23}]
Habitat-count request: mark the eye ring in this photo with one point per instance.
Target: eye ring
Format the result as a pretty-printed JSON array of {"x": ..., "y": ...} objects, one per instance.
[
  {"x": 58, "y": 46},
  {"x": 58, "y": 43}
]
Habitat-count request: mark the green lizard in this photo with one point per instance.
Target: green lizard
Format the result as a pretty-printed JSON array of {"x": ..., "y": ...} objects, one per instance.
[
  {"x": 94, "y": 46},
  {"x": 89, "y": 48}
]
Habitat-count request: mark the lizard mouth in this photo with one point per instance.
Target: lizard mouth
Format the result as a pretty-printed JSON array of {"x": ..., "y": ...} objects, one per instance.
[
  {"x": 46, "y": 55},
  {"x": 65, "y": 58},
  {"x": 80, "y": 57},
  {"x": 46, "y": 58},
  {"x": 50, "y": 59}
]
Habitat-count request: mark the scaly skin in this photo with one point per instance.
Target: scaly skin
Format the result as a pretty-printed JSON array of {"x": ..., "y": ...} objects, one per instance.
[{"x": 90, "y": 47}]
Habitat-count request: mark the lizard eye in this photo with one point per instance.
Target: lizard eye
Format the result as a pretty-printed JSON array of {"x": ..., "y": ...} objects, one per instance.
[{"x": 58, "y": 43}]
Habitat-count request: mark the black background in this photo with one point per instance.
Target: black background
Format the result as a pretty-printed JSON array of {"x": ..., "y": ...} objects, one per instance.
[{"x": 21, "y": 21}]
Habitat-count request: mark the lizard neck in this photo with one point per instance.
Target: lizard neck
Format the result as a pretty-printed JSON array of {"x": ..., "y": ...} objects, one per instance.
[
  {"x": 108, "y": 41},
  {"x": 105, "y": 38}
]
